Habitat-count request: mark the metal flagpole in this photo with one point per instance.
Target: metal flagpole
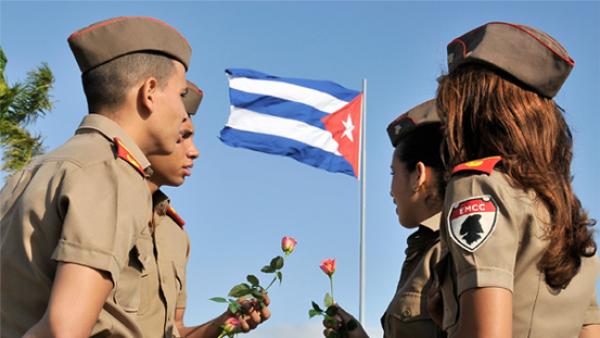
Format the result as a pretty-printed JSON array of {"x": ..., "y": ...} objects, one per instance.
[{"x": 363, "y": 188}]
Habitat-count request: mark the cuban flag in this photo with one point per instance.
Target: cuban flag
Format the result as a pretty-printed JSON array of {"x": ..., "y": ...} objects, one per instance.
[{"x": 315, "y": 122}]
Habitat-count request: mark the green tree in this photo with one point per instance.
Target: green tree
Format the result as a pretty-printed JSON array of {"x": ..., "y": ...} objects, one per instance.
[{"x": 20, "y": 105}]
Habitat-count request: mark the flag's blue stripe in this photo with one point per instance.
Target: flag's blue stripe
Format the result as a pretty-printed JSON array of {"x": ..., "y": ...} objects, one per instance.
[
  {"x": 329, "y": 87},
  {"x": 277, "y": 107},
  {"x": 286, "y": 147}
]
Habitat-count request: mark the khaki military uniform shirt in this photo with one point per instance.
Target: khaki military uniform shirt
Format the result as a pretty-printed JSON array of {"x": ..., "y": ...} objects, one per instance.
[
  {"x": 494, "y": 236},
  {"x": 79, "y": 204},
  {"x": 407, "y": 314},
  {"x": 167, "y": 291}
]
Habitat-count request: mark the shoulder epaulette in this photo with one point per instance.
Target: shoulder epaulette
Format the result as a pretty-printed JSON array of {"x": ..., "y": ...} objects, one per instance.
[
  {"x": 483, "y": 165},
  {"x": 124, "y": 153},
  {"x": 175, "y": 217}
]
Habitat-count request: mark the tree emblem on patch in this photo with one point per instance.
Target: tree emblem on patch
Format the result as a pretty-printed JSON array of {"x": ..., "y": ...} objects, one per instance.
[{"x": 472, "y": 221}]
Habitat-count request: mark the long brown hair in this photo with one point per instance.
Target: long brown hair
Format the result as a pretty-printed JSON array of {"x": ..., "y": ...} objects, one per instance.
[{"x": 488, "y": 113}]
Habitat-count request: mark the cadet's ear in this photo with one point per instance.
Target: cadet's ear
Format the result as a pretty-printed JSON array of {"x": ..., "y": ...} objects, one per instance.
[
  {"x": 147, "y": 95},
  {"x": 420, "y": 176}
]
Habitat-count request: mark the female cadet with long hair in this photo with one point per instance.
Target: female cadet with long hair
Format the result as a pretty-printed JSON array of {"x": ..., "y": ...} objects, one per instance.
[
  {"x": 521, "y": 259},
  {"x": 417, "y": 190}
]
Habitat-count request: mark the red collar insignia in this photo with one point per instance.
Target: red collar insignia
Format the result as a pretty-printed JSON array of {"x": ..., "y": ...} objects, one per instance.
[
  {"x": 175, "y": 216},
  {"x": 124, "y": 153},
  {"x": 483, "y": 165}
]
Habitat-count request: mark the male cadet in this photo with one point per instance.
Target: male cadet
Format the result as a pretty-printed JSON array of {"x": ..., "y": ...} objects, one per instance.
[
  {"x": 163, "y": 314},
  {"x": 75, "y": 236}
]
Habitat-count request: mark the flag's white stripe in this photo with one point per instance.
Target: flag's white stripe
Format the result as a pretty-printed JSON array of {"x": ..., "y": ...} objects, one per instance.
[
  {"x": 248, "y": 120},
  {"x": 287, "y": 91}
]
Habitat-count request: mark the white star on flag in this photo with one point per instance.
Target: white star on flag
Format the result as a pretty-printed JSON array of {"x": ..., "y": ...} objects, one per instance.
[{"x": 349, "y": 128}]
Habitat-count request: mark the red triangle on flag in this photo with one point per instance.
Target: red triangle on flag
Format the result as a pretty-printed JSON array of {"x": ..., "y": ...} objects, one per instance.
[{"x": 345, "y": 125}]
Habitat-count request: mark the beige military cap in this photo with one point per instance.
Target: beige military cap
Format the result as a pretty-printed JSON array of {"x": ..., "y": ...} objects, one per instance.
[
  {"x": 531, "y": 56},
  {"x": 106, "y": 40},
  {"x": 192, "y": 98},
  {"x": 425, "y": 112}
]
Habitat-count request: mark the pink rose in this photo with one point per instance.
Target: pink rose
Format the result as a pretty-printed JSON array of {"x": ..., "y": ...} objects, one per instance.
[
  {"x": 328, "y": 266},
  {"x": 231, "y": 325},
  {"x": 288, "y": 244}
]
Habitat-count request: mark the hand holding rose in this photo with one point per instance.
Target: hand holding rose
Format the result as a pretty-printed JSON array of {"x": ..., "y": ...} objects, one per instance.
[
  {"x": 338, "y": 323},
  {"x": 248, "y": 302},
  {"x": 343, "y": 325},
  {"x": 250, "y": 315}
]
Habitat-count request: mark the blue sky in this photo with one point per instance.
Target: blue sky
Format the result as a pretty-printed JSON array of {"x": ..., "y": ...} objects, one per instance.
[{"x": 239, "y": 203}]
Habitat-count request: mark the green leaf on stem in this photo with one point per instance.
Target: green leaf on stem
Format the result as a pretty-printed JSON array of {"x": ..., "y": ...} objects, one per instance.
[
  {"x": 279, "y": 263},
  {"x": 240, "y": 290},
  {"x": 332, "y": 334},
  {"x": 267, "y": 269},
  {"x": 258, "y": 294},
  {"x": 328, "y": 300},
  {"x": 276, "y": 263},
  {"x": 253, "y": 280},
  {"x": 219, "y": 299},
  {"x": 351, "y": 325},
  {"x": 331, "y": 311},
  {"x": 234, "y": 307},
  {"x": 316, "y": 307},
  {"x": 279, "y": 276},
  {"x": 313, "y": 312}
]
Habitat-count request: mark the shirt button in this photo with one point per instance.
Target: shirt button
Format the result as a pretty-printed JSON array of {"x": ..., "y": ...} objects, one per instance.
[{"x": 406, "y": 314}]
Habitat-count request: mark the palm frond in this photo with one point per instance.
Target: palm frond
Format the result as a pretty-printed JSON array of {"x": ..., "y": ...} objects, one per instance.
[
  {"x": 33, "y": 100},
  {"x": 19, "y": 146},
  {"x": 20, "y": 105}
]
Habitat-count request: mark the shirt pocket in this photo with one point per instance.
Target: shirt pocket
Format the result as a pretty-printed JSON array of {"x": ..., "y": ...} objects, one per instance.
[
  {"x": 447, "y": 284},
  {"x": 129, "y": 286},
  {"x": 408, "y": 306},
  {"x": 408, "y": 317}
]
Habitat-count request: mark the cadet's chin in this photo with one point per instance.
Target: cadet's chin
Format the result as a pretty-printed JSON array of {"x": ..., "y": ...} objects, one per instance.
[
  {"x": 176, "y": 181},
  {"x": 406, "y": 223}
]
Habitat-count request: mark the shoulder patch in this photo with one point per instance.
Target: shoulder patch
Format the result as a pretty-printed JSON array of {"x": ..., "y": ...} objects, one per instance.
[
  {"x": 472, "y": 221},
  {"x": 484, "y": 165},
  {"x": 124, "y": 153},
  {"x": 175, "y": 217}
]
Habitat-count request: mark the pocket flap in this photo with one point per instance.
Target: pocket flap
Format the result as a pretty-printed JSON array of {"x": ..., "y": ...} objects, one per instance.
[
  {"x": 128, "y": 287},
  {"x": 409, "y": 306}
]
